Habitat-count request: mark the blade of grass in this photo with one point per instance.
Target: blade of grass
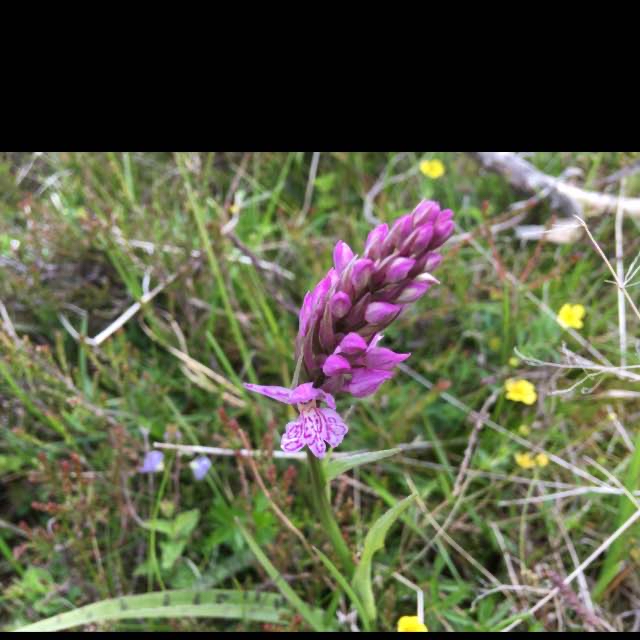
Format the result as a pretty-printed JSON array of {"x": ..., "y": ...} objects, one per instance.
[
  {"x": 213, "y": 603},
  {"x": 312, "y": 617},
  {"x": 198, "y": 215},
  {"x": 619, "y": 550},
  {"x": 346, "y": 587}
]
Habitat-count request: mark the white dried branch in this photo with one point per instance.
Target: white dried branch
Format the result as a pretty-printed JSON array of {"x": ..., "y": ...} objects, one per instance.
[{"x": 571, "y": 199}]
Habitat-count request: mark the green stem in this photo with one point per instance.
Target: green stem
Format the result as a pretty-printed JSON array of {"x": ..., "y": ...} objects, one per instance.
[{"x": 325, "y": 513}]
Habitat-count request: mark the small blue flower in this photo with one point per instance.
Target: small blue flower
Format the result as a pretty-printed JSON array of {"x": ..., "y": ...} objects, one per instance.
[
  {"x": 200, "y": 466},
  {"x": 153, "y": 462}
]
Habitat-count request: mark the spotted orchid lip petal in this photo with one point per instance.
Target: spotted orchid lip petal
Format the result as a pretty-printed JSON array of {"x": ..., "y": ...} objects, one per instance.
[
  {"x": 335, "y": 427},
  {"x": 314, "y": 428},
  {"x": 292, "y": 439}
]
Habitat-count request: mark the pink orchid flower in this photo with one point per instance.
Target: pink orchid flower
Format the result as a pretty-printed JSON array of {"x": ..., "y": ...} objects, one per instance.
[{"x": 314, "y": 426}]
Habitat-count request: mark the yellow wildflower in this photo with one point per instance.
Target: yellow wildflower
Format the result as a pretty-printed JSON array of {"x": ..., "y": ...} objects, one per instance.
[
  {"x": 542, "y": 459},
  {"x": 520, "y": 391},
  {"x": 411, "y": 623},
  {"x": 514, "y": 362},
  {"x": 494, "y": 343},
  {"x": 524, "y": 430},
  {"x": 524, "y": 460},
  {"x": 433, "y": 169},
  {"x": 571, "y": 315}
]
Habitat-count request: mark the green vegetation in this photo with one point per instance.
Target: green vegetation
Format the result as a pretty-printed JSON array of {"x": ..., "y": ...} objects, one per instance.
[{"x": 219, "y": 250}]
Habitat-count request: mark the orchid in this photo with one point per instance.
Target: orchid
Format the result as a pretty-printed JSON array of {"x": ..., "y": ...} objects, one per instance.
[
  {"x": 341, "y": 322},
  {"x": 314, "y": 426}
]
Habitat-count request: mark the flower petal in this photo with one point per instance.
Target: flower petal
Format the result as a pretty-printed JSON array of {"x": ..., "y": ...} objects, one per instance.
[
  {"x": 427, "y": 211},
  {"x": 340, "y": 304},
  {"x": 305, "y": 314},
  {"x": 153, "y": 462},
  {"x": 382, "y": 358},
  {"x": 422, "y": 238},
  {"x": 413, "y": 291},
  {"x": 364, "y": 382},
  {"x": 292, "y": 439},
  {"x": 398, "y": 269},
  {"x": 335, "y": 365},
  {"x": 304, "y": 393},
  {"x": 342, "y": 255},
  {"x": 200, "y": 466},
  {"x": 328, "y": 399},
  {"x": 374, "y": 241},
  {"x": 281, "y": 394},
  {"x": 352, "y": 344},
  {"x": 335, "y": 428},
  {"x": 381, "y": 312},
  {"x": 312, "y": 431},
  {"x": 361, "y": 273}
]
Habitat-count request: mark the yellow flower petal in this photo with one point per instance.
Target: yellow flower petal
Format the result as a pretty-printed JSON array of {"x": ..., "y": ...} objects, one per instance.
[
  {"x": 524, "y": 430},
  {"x": 411, "y": 623},
  {"x": 524, "y": 460},
  {"x": 542, "y": 459},
  {"x": 433, "y": 169},
  {"x": 571, "y": 316},
  {"x": 520, "y": 391},
  {"x": 514, "y": 362}
]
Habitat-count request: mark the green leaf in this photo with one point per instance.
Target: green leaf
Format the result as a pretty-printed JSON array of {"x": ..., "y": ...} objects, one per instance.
[
  {"x": 9, "y": 464},
  {"x": 312, "y": 617},
  {"x": 185, "y": 523},
  {"x": 343, "y": 464},
  {"x": 213, "y": 603},
  {"x": 325, "y": 182},
  {"x": 171, "y": 551},
  {"x": 160, "y": 525},
  {"x": 372, "y": 543},
  {"x": 346, "y": 587}
]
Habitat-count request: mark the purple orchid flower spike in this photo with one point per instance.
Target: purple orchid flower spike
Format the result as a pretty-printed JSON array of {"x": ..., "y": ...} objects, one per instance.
[
  {"x": 341, "y": 321},
  {"x": 315, "y": 426},
  {"x": 363, "y": 294}
]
